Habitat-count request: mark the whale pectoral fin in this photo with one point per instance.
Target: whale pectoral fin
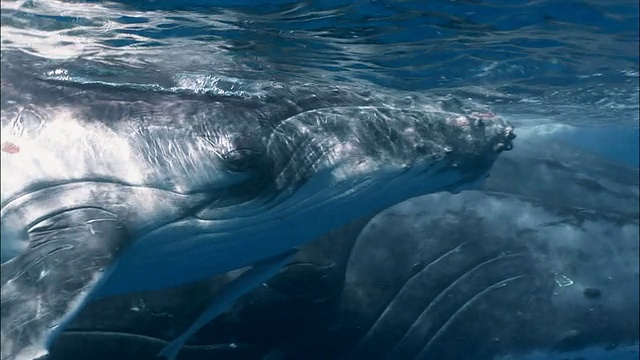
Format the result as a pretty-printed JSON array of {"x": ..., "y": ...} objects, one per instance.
[
  {"x": 43, "y": 288},
  {"x": 230, "y": 293}
]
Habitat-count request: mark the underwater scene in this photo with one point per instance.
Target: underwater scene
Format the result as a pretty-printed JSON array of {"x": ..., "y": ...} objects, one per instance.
[{"x": 320, "y": 179}]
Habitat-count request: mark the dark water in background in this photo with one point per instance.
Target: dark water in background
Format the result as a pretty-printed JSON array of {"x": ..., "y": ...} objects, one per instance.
[{"x": 539, "y": 62}]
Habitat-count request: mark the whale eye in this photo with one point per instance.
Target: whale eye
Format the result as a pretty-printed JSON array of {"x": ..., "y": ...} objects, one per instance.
[{"x": 243, "y": 160}]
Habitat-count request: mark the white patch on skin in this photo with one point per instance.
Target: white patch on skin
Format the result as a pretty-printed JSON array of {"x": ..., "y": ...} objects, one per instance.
[
  {"x": 459, "y": 121},
  {"x": 62, "y": 149},
  {"x": 43, "y": 273}
]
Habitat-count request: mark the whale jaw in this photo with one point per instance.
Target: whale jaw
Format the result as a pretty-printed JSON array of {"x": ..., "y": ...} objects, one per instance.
[{"x": 194, "y": 248}]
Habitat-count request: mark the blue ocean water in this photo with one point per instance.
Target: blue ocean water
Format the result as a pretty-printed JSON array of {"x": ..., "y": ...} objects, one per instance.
[
  {"x": 569, "y": 69},
  {"x": 572, "y": 63}
]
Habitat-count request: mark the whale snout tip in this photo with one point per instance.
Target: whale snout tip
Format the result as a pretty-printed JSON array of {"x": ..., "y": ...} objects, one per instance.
[
  {"x": 502, "y": 132},
  {"x": 509, "y": 134},
  {"x": 505, "y": 137}
]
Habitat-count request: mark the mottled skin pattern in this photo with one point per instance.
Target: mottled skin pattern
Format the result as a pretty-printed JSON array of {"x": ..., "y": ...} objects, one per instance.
[
  {"x": 547, "y": 266},
  {"x": 111, "y": 190}
]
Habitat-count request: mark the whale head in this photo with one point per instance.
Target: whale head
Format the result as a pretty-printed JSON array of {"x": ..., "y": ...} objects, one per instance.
[
  {"x": 318, "y": 170},
  {"x": 205, "y": 186}
]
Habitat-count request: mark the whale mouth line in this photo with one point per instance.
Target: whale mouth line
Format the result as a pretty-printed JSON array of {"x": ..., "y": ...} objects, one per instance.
[{"x": 305, "y": 199}]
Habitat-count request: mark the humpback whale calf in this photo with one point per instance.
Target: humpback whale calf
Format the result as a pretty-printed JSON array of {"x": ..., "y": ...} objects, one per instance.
[
  {"x": 109, "y": 190},
  {"x": 541, "y": 263}
]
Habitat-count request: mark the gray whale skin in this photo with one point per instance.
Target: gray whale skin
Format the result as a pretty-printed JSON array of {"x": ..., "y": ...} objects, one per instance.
[{"x": 109, "y": 190}]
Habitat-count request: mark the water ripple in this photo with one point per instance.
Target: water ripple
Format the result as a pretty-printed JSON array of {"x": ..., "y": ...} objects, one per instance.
[{"x": 579, "y": 59}]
